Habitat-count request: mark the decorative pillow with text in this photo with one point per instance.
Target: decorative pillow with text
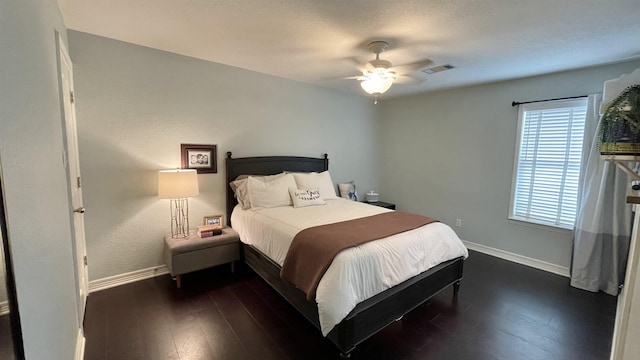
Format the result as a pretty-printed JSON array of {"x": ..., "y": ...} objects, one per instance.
[{"x": 306, "y": 197}]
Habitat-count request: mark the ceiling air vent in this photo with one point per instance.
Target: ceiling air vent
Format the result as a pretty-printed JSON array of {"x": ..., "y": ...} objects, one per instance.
[{"x": 436, "y": 69}]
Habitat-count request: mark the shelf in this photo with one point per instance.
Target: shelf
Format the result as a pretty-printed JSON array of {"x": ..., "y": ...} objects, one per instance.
[
  {"x": 622, "y": 161},
  {"x": 615, "y": 158},
  {"x": 633, "y": 199}
]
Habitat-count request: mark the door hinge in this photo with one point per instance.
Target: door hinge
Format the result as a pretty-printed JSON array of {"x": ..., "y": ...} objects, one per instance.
[
  {"x": 71, "y": 96},
  {"x": 86, "y": 263},
  {"x": 78, "y": 181}
]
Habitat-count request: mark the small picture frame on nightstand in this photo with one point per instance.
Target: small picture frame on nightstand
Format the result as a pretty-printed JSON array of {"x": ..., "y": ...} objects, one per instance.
[{"x": 213, "y": 220}]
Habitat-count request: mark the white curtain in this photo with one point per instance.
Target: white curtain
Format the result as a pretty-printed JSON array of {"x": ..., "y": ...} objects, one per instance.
[{"x": 603, "y": 224}]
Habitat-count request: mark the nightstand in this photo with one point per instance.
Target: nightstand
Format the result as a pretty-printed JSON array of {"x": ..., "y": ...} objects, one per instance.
[
  {"x": 184, "y": 255},
  {"x": 383, "y": 204}
]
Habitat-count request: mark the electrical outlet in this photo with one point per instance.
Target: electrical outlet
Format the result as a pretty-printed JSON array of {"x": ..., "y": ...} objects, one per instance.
[{"x": 459, "y": 222}]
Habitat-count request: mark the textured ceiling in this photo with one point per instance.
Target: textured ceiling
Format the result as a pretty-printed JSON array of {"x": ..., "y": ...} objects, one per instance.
[{"x": 321, "y": 41}]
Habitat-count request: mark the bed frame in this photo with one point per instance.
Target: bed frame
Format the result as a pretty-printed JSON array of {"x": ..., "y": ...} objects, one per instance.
[{"x": 371, "y": 315}]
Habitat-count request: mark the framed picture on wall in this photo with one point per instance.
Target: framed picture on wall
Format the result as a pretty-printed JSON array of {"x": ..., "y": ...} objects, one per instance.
[{"x": 199, "y": 157}]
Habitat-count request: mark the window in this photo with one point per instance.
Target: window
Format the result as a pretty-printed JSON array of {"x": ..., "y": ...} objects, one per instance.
[{"x": 547, "y": 162}]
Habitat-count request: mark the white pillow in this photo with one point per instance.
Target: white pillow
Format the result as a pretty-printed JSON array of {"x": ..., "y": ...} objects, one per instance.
[
  {"x": 313, "y": 180},
  {"x": 306, "y": 197},
  {"x": 270, "y": 192},
  {"x": 241, "y": 190}
]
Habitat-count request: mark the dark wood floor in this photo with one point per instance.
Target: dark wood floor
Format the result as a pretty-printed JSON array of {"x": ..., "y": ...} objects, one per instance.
[
  {"x": 504, "y": 311},
  {"x": 6, "y": 343}
]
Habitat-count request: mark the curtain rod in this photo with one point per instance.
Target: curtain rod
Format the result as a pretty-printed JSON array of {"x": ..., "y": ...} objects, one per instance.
[{"x": 515, "y": 103}]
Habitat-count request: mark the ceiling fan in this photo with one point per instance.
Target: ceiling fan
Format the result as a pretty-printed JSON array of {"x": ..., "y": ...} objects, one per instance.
[{"x": 378, "y": 75}]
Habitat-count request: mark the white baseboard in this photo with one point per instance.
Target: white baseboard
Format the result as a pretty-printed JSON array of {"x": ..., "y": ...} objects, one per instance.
[
  {"x": 117, "y": 280},
  {"x": 80, "y": 344},
  {"x": 524, "y": 260},
  {"x": 4, "y": 308}
]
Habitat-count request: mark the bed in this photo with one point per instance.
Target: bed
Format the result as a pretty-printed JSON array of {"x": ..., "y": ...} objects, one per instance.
[{"x": 368, "y": 316}]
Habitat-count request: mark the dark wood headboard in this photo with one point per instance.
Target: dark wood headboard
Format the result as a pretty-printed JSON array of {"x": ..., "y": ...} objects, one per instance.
[{"x": 268, "y": 165}]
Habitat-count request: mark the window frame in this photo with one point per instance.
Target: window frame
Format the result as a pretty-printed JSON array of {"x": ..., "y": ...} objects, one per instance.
[{"x": 536, "y": 106}]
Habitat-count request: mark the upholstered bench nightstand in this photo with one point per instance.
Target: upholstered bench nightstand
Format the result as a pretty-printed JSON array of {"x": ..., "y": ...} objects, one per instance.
[{"x": 193, "y": 253}]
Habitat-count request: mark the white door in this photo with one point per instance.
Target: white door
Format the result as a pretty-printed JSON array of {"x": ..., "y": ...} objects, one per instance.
[{"x": 73, "y": 169}]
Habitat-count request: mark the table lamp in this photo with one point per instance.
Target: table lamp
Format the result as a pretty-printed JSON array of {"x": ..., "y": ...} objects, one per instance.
[{"x": 178, "y": 185}]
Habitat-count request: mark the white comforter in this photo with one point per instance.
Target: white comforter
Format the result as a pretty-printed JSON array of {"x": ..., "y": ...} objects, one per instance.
[{"x": 358, "y": 273}]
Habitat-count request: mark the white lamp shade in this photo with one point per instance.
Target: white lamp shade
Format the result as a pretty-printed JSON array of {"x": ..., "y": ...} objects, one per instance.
[
  {"x": 376, "y": 84},
  {"x": 177, "y": 184}
]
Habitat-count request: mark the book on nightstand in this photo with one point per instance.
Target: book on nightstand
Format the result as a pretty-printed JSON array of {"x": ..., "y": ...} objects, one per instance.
[{"x": 209, "y": 230}]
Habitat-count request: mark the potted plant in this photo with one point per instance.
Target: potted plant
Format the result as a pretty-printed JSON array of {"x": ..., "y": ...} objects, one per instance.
[{"x": 619, "y": 131}]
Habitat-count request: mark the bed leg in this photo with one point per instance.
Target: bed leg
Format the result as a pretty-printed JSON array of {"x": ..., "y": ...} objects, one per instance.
[
  {"x": 345, "y": 355},
  {"x": 456, "y": 288}
]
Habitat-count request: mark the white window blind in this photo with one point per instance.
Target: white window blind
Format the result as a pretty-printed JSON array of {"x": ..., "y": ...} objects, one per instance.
[{"x": 548, "y": 160}]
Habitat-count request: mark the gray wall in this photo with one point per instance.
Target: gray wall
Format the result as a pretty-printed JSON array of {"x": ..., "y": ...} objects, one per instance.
[
  {"x": 34, "y": 177},
  {"x": 136, "y": 105},
  {"x": 449, "y": 154}
]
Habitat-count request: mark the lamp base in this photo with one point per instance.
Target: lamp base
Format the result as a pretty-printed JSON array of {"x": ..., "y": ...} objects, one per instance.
[{"x": 179, "y": 218}]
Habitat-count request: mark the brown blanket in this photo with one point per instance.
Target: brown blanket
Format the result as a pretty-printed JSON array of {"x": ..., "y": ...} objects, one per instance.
[{"x": 312, "y": 250}]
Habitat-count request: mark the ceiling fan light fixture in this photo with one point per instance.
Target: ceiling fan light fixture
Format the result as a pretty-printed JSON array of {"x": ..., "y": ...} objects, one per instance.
[{"x": 376, "y": 84}]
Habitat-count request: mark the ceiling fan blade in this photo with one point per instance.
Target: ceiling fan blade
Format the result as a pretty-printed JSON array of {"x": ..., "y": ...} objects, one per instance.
[
  {"x": 357, "y": 77},
  {"x": 408, "y": 79},
  {"x": 368, "y": 67},
  {"x": 360, "y": 63},
  {"x": 409, "y": 68}
]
